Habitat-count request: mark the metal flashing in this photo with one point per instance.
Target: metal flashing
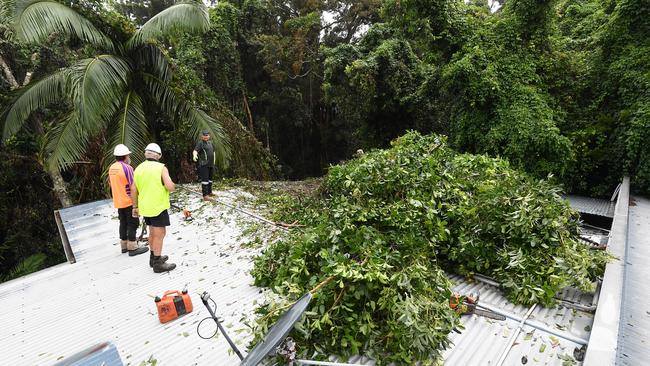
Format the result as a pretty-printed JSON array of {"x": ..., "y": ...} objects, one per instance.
[
  {"x": 604, "y": 335},
  {"x": 634, "y": 327}
]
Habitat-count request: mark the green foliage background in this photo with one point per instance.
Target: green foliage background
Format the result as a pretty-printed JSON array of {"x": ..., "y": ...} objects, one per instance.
[
  {"x": 558, "y": 86},
  {"x": 553, "y": 86}
]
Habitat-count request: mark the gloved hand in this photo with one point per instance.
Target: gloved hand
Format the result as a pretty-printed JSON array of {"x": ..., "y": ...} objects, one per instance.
[{"x": 195, "y": 155}]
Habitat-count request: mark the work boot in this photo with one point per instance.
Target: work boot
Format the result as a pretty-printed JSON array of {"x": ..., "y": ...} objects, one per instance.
[
  {"x": 134, "y": 249},
  {"x": 160, "y": 266},
  {"x": 163, "y": 258},
  {"x": 123, "y": 245},
  {"x": 206, "y": 198}
]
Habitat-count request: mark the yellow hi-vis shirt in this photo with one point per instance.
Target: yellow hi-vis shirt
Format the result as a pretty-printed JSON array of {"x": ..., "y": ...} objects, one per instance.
[{"x": 153, "y": 197}]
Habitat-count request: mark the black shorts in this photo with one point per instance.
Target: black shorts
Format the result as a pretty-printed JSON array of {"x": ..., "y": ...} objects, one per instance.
[{"x": 161, "y": 220}]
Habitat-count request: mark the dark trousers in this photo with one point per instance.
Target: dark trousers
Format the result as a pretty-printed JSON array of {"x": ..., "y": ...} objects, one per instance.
[
  {"x": 205, "y": 175},
  {"x": 128, "y": 223}
]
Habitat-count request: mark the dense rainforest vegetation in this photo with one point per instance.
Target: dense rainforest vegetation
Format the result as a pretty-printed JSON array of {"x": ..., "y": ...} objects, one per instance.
[{"x": 555, "y": 87}]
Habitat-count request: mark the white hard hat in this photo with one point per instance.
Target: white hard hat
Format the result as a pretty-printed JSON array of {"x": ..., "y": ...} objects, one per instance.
[
  {"x": 121, "y": 150},
  {"x": 153, "y": 147}
]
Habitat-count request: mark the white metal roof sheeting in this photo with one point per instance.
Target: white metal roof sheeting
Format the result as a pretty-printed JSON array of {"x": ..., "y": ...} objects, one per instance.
[
  {"x": 592, "y": 206},
  {"x": 634, "y": 331},
  {"x": 105, "y": 295}
]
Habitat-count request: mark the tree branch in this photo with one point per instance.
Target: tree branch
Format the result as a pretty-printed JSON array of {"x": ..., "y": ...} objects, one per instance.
[
  {"x": 9, "y": 75},
  {"x": 299, "y": 76},
  {"x": 30, "y": 73},
  {"x": 248, "y": 113}
]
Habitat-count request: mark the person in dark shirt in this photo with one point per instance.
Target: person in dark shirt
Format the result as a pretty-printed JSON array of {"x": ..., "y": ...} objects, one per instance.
[{"x": 205, "y": 157}]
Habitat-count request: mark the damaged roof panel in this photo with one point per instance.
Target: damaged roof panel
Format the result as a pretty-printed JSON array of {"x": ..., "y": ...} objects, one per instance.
[{"x": 592, "y": 206}]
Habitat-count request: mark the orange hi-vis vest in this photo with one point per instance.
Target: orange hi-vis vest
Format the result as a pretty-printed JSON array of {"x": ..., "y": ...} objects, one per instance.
[{"x": 120, "y": 175}]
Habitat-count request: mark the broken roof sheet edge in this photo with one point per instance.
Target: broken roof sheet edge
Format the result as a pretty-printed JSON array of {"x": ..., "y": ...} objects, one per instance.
[{"x": 592, "y": 206}]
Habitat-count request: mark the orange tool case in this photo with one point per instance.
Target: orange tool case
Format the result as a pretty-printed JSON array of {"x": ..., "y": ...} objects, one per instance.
[{"x": 172, "y": 305}]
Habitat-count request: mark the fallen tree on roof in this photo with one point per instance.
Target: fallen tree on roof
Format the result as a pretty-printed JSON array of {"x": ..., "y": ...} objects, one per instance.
[{"x": 384, "y": 227}]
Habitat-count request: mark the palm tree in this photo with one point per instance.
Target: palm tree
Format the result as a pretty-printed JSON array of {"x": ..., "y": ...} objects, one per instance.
[{"x": 107, "y": 92}]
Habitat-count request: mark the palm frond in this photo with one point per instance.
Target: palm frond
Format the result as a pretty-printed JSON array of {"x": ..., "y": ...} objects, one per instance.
[
  {"x": 42, "y": 93},
  {"x": 183, "y": 17},
  {"x": 129, "y": 128},
  {"x": 97, "y": 87},
  {"x": 36, "y": 20},
  {"x": 181, "y": 111},
  {"x": 7, "y": 8},
  {"x": 67, "y": 141},
  {"x": 151, "y": 59},
  {"x": 26, "y": 266}
]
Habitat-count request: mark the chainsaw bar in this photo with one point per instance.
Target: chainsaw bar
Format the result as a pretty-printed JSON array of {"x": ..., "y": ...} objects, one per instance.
[{"x": 489, "y": 314}]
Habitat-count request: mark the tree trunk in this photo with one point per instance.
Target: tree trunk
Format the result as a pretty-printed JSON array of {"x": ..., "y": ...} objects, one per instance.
[
  {"x": 248, "y": 113},
  {"x": 9, "y": 74},
  {"x": 60, "y": 187},
  {"x": 268, "y": 143}
]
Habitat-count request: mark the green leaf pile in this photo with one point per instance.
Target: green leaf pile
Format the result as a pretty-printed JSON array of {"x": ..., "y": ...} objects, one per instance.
[{"x": 384, "y": 227}]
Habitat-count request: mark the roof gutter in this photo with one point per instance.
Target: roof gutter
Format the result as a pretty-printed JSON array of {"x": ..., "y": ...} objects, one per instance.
[{"x": 604, "y": 334}]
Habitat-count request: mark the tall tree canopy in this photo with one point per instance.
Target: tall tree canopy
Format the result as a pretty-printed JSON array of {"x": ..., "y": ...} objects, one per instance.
[{"x": 554, "y": 86}]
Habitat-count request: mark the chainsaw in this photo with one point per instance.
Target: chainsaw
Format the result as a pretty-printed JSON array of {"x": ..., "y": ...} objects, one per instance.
[{"x": 468, "y": 304}]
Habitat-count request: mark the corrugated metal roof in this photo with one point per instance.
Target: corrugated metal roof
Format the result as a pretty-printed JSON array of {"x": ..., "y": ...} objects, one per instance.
[
  {"x": 592, "y": 206},
  {"x": 105, "y": 296},
  {"x": 484, "y": 340},
  {"x": 634, "y": 331}
]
